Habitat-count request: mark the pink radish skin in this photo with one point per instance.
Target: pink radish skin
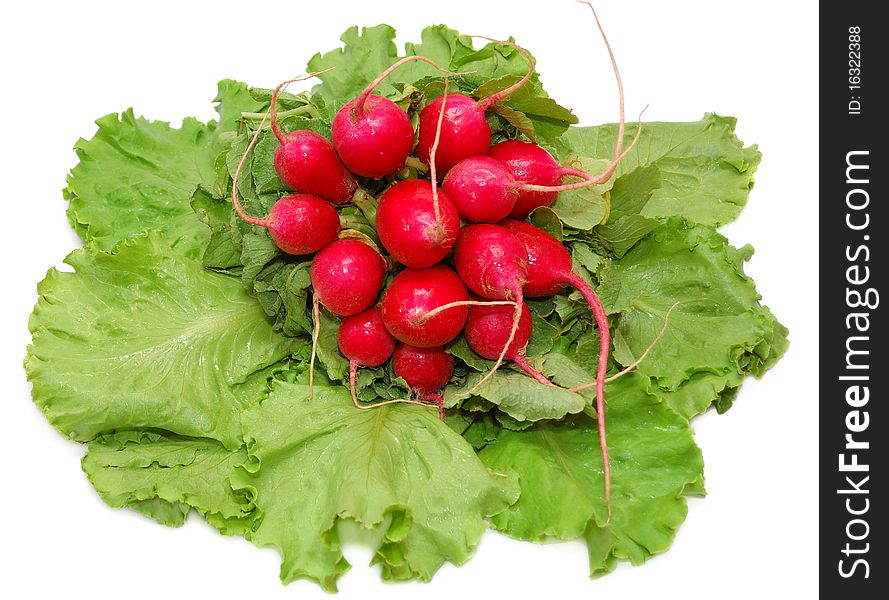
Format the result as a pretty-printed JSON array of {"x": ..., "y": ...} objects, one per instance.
[
  {"x": 528, "y": 163},
  {"x": 491, "y": 261},
  {"x": 549, "y": 271},
  {"x": 487, "y": 331},
  {"x": 415, "y": 292},
  {"x": 482, "y": 189},
  {"x": 299, "y": 223},
  {"x": 347, "y": 276},
  {"x": 307, "y": 162},
  {"x": 363, "y": 339},
  {"x": 465, "y": 131},
  {"x": 407, "y": 227},
  {"x": 426, "y": 370},
  {"x": 372, "y": 135}
]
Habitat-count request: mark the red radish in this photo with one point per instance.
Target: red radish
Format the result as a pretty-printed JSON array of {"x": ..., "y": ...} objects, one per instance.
[
  {"x": 363, "y": 339},
  {"x": 413, "y": 294},
  {"x": 549, "y": 270},
  {"x": 494, "y": 264},
  {"x": 466, "y": 131},
  {"x": 482, "y": 189},
  {"x": 347, "y": 276},
  {"x": 372, "y": 135},
  {"x": 426, "y": 370},
  {"x": 528, "y": 163},
  {"x": 406, "y": 223},
  {"x": 307, "y": 162},
  {"x": 298, "y": 223},
  {"x": 487, "y": 331}
]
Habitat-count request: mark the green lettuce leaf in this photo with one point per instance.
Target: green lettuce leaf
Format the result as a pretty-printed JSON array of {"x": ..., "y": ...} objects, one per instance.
[
  {"x": 654, "y": 462},
  {"x": 146, "y": 338},
  {"x": 718, "y": 329},
  {"x": 136, "y": 174},
  {"x": 396, "y": 469},
  {"x": 164, "y": 476},
  {"x": 705, "y": 172}
]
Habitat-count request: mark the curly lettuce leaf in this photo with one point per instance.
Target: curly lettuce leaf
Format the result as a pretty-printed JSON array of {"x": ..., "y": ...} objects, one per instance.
[
  {"x": 164, "y": 476},
  {"x": 396, "y": 469},
  {"x": 654, "y": 461},
  {"x": 717, "y": 333},
  {"x": 146, "y": 338},
  {"x": 706, "y": 172},
  {"x": 136, "y": 174}
]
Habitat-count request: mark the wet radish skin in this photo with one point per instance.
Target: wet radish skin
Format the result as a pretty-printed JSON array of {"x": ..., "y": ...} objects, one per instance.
[
  {"x": 415, "y": 292},
  {"x": 424, "y": 369},
  {"x": 464, "y": 131},
  {"x": 364, "y": 339},
  {"x": 481, "y": 188},
  {"x": 548, "y": 260},
  {"x": 407, "y": 227},
  {"x": 307, "y": 162},
  {"x": 375, "y": 140},
  {"x": 347, "y": 276},
  {"x": 529, "y": 163},
  {"x": 487, "y": 330},
  {"x": 302, "y": 223}
]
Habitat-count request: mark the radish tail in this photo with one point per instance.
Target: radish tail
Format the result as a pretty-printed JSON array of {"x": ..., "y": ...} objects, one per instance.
[
  {"x": 604, "y": 345},
  {"x": 316, "y": 317},
  {"x": 517, "y": 294},
  {"x": 486, "y": 103},
  {"x": 438, "y": 400},
  {"x": 353, "y": 375},
  {"x": 362, "y": 98},
  {"x": 433, "y": 175},
  {"x": 236, "y": 177},
  {"x": 273, "y": 106},
  {"x": 440, "y": 309},
  {"x": 525, "y": 366}
]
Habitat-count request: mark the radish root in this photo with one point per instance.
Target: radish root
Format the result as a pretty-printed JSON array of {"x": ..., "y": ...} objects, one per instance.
[
  {"x": 486, "y": 103},
  {"x": 273, "y": 106},
  {"x": 525, "y": 366},
  {"x": 433, "y": 175},
  {"x": 237, "y": 176},
  {"x": 316, "y": 330},
  {"x": 440, "y": 309},
  {"x": 639, "y": 360},
  {"x": 353, "y": 376}
]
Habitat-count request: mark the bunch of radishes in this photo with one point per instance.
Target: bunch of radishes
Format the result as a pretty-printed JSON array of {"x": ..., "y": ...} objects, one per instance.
[{"x": 466, "y": 236}]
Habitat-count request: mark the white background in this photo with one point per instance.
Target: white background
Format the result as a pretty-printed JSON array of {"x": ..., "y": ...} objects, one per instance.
[{"x": 64, "y": 66}]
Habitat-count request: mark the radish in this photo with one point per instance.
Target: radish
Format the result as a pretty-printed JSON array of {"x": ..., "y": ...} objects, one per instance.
[
  {"x": 426, "y": 370},
  {"x": 482, "y": 189},
  {"x": 307, "y": 162},
  {"x": 372, "y": 135},
  {"x": 410, "y": 298},
  {"x": 466, "y": 131},
  {"x": 407, "y": 225},
  {"x": 487, "y": 331},
  {"x": 298, "y": 223},
  {"x": 347, "y": 276},
  {"x": 549, "y": 271},
  {"x": 493, "y": 263},
  {"x": 363, "y": 339},
  {"x": 527, "y": 163}
]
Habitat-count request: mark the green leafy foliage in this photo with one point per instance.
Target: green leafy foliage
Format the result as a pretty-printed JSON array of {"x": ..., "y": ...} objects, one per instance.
[
  {"x": 396, "y": 469},
  {"x": 146, "y": 338}
]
